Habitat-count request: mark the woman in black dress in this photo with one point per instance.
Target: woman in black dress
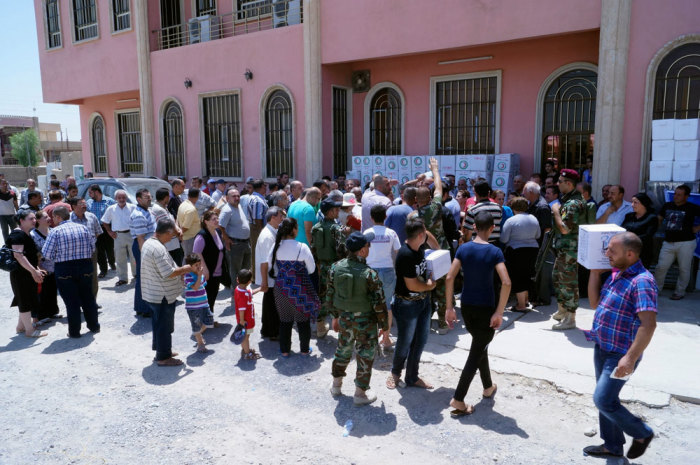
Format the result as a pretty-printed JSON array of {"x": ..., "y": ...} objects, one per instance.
[
  {"x": 25, "y": 279},
  {"x": 48, "y": 295},
  {"x": 643, "y": 222}
]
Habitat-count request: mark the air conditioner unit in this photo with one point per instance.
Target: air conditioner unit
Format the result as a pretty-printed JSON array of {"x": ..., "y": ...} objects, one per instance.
[
  {"x": 286, "y": 12},
  {"x": 204, "y": 28}
]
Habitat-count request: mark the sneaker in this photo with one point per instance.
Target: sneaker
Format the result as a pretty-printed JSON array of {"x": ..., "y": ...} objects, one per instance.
[{"x": 367, "y": 399}]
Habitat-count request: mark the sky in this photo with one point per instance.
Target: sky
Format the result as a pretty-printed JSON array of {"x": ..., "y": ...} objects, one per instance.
[{"x": 20, "y": 78}]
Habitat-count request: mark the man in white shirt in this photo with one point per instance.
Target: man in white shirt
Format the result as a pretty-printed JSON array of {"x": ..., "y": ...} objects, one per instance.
[
  {"x": 116, "y": 222},
  {"x": 382, "y": 255},
  {"x": 615, "y": 209},
  {"x": 266, "y": 242},
  {"x": 378, "y": 196}
]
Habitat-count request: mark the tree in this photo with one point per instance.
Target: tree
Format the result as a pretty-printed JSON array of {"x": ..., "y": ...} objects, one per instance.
[{"x": 25, "y": 148}]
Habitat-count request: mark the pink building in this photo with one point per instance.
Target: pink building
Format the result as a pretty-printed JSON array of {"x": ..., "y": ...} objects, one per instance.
[{"x": 241, "y": 88}]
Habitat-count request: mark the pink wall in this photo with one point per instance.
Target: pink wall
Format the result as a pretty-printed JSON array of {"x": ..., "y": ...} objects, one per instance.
[
  {"x": 652, "y": 26},
  {"x": 105, "y": 105},
  {"x": 102, "y": 66},
  {"x": 365, "y": 29},
  {"x": 274, "y": 56},
  {"x": 525, "y": 65}
]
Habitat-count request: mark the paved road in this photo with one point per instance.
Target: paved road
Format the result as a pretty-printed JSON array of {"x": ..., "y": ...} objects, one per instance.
[{"x": 101, "y": 399}]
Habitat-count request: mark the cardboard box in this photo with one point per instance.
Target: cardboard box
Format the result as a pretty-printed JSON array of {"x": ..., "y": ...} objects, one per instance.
[
  {"x": 474, "y": 162},
  {"x": 366, "y": 170},
  {"x": 686, "y": 170},
  {"x": 418, "y": 165},
  {"x": 502, "y": 180},
  {"x": 593, "y": 240},
  {"x": 660, "y": 170},
  {"x": 662, "y": 129},
  {"x": 662, "y": 150},
  {"x": 506, "y": 162},
  {"x": 404, "y": 163},
  {"x": 686, "y": 150},
  {"x": 356, "y": 163},
  {"x": 378, "y": 165},
  {"x": 447, "y": 164},
  {"x": 686, "y": 129},
  {"x": 438, "y": 263}
]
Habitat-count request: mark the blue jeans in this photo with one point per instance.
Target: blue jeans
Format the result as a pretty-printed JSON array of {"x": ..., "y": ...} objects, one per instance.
[
  {"x": 140, "y": 305},
  {"x": 413, "y": 322},
  {"x": 614, "y": 418},
  {"x": 74, "y": 283},
  {"x": 163, "y": 323},
  {"x": 388, "y": 278}
]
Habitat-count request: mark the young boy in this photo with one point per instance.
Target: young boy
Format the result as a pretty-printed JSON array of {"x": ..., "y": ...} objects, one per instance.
[
  {"x": 245, "y": 313},
  {"x": 196, "y": 301}
]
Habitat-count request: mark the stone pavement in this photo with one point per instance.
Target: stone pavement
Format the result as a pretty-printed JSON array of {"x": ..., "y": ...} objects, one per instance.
[{"x": 527, "y": 346}]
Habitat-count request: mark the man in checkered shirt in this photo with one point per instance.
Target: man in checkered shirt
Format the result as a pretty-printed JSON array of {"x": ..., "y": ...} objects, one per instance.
[
  {"x": 70, "y": 246},
  {"x": 623, "y": 325}
]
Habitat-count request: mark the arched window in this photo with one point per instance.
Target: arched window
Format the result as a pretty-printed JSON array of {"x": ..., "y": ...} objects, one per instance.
[
  {"x": 569, "y": 119},
  {"x": 677, "y": 85},
  {"x": 99, "y": 156},
  {"x": 173, "y": 141},
  {"x": 279, "y": 141},
  {"x": 385, "y": 123}
]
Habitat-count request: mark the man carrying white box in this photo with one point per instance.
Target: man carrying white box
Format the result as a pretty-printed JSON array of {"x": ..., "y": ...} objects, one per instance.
[{"x": 679, "y": 241}]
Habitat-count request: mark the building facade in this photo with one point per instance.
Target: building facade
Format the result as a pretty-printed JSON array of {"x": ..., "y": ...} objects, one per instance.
[
  {"x": 237, "y": 88},
  {"x": 51, "y": 147}
]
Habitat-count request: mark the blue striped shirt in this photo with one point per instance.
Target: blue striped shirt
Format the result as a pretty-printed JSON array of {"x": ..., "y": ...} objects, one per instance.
[
  {"x": 142, "y": 222},
  {"x": 68, "y": 241},
  {"x": 257, "y": 207},
  {"x": 98, "y": 208}
]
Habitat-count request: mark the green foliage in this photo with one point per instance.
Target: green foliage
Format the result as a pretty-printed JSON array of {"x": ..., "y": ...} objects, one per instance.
[{"x": 25, "y": 148}]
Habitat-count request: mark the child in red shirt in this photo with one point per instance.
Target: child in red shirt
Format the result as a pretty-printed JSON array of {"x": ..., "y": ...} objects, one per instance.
[{"x": 245, "y": 312}]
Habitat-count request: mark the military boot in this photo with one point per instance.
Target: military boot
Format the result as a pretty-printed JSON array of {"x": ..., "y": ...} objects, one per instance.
[
  {"x": 561, "y": 313},
  {"x": 568, "y": 322}
]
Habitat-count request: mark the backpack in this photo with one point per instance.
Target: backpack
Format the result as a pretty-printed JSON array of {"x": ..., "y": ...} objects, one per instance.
[{"x": 8, "y": 262}]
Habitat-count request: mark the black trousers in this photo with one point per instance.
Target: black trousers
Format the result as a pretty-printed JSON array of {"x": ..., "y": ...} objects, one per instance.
[
  {"x": 477, "y": 320},
  {"x": 285, "y": 336},
  {"x": 105, "y": 252},
  {"x": 213, "y": 290},
  {"x": 270, "y": 317}
]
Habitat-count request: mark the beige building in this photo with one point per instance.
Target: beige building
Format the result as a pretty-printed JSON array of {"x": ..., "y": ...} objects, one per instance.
[{"x": 52, "y": 144}]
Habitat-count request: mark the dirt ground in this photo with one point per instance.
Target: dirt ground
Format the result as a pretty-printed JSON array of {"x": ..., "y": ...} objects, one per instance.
[{"x": 101, "y": 400}]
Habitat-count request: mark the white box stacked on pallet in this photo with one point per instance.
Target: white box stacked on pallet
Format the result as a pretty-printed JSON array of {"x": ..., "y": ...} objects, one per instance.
[
  {"x": 391, "y": 166},
  {"x": 686, "y": 170},
  {"x": 404, "y": 163},
  {"x": 660, "y": 170},
  {"x": 662, "y": 150},
  {"x": 506, "y": 166},
  {"x": 418, "y": 165},
  {"x": 686, "y": 164},
  {"x": 686, "y": 150},
  {"x": 378, "y": 165}
]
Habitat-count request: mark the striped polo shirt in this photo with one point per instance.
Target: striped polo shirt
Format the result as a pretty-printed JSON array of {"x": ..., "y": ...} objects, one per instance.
[{"x": 156, "y": 267}]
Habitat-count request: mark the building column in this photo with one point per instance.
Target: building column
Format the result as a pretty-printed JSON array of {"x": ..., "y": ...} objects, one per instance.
[
  {"x": 148, "y": 148},
  {"x": 312, "y": 91},
  {"x": 610, "y": 101}
]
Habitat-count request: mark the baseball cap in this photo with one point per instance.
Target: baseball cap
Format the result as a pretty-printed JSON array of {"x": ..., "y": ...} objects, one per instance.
[
  {"x": 357, "y": 240},
  {"x": 328, "y": 204}
]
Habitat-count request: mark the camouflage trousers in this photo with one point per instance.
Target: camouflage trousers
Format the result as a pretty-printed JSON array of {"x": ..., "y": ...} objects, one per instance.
[
  {"x": 358, "y": 334},
  {"x": 323, "y": 269},
  {"x": 437, "y": 296},
  {"x": 565, "y": 279}
]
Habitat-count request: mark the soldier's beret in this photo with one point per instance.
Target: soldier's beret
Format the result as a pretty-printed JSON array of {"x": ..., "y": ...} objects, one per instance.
[{"x": 569, "y": 174}]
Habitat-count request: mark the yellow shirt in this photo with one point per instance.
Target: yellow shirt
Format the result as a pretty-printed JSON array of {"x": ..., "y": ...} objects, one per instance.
[{"x": 188, "y": 218}]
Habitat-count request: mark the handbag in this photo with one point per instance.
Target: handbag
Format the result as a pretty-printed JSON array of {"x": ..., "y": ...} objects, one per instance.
[{"x": 8, "y": 262}]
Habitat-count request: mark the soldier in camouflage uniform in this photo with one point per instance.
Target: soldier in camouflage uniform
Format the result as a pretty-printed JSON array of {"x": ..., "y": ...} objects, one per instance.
[
  {"x": 430, "y": 211},
  {"x": 567, "y": 217},
  {"x": 327, "y": 247},
  {"x": 357, "y": 304}
]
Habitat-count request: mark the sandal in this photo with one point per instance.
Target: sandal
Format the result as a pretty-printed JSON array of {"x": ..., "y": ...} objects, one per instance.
[
  {"x": 202, "y": 349},
  {"x": 252, "y": 355},
  {"x": 170, "y": 362},
  {"x": 36, "y": 334},
  {"x": 493, "y": 393},
  {"x": 457, "y": 413},
  {"x": 393, "y": 383},
  {"x": 422, "y": 384}
]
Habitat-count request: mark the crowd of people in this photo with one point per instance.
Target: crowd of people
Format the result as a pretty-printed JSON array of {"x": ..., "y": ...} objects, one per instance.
[{"x": 349, "y": 258}]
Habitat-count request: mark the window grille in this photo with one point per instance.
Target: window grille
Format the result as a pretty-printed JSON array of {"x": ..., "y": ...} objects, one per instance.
[
  {"x": 99, "y": 157},
  {"x": 206, "y": 7},
  {"x": 253, "y": 8},
  {"x": 53, "y": 24},
  {"x": 84, "y": 19},
  {"x": 385, "y": 123},
  {"x": 222, "y": 139},
  {"x": 129, "y": 125},
  {"x": 279, "y": 146},
  {"x": 569, "y": 119},
  {"x": 171, "y": 24},
  {"x": 121, "y": 15},
  {"x": 340, "y": 131},
  {"x": 174, "y": 143},
  {"x": 677, "y": 87},
  {"x": 466, "y": 116}
]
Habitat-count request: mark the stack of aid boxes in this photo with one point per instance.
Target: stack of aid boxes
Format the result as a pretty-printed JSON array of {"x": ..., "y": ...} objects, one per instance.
[
  {"x": 675, "y": 150},
  {"x": 505, "y": 167}
]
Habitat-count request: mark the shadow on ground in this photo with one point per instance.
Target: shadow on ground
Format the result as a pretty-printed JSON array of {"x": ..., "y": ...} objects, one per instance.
[
  {"x": 368, "y": 420},
  {"x": 68, "y": 344},
  {"x": 163, "y": 376}
]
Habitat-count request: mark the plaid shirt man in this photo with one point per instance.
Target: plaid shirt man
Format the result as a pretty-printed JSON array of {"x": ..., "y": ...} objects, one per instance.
[
  {"x": 624, "y": 294},
  {"x": 68, "y": 241},
  {"x": 257, "y": 207},
  {"x": 142, "y": 222},
  {"x": 98, "y": 208},
  {"x": 90, "y": 221}
]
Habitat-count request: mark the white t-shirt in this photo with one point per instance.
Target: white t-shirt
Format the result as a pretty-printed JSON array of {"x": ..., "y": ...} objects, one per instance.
[
  {"x": 266, "y": 242},
  {"x": 291, "y": 250},
  {"x": 383, "y": 247}
]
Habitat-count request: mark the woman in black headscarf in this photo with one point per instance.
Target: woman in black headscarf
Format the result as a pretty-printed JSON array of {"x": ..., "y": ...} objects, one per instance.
[{"x": 643, "y": 222}]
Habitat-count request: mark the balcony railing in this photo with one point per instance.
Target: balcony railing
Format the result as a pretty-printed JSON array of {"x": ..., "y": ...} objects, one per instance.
[{"x": 253, "y": 16}]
